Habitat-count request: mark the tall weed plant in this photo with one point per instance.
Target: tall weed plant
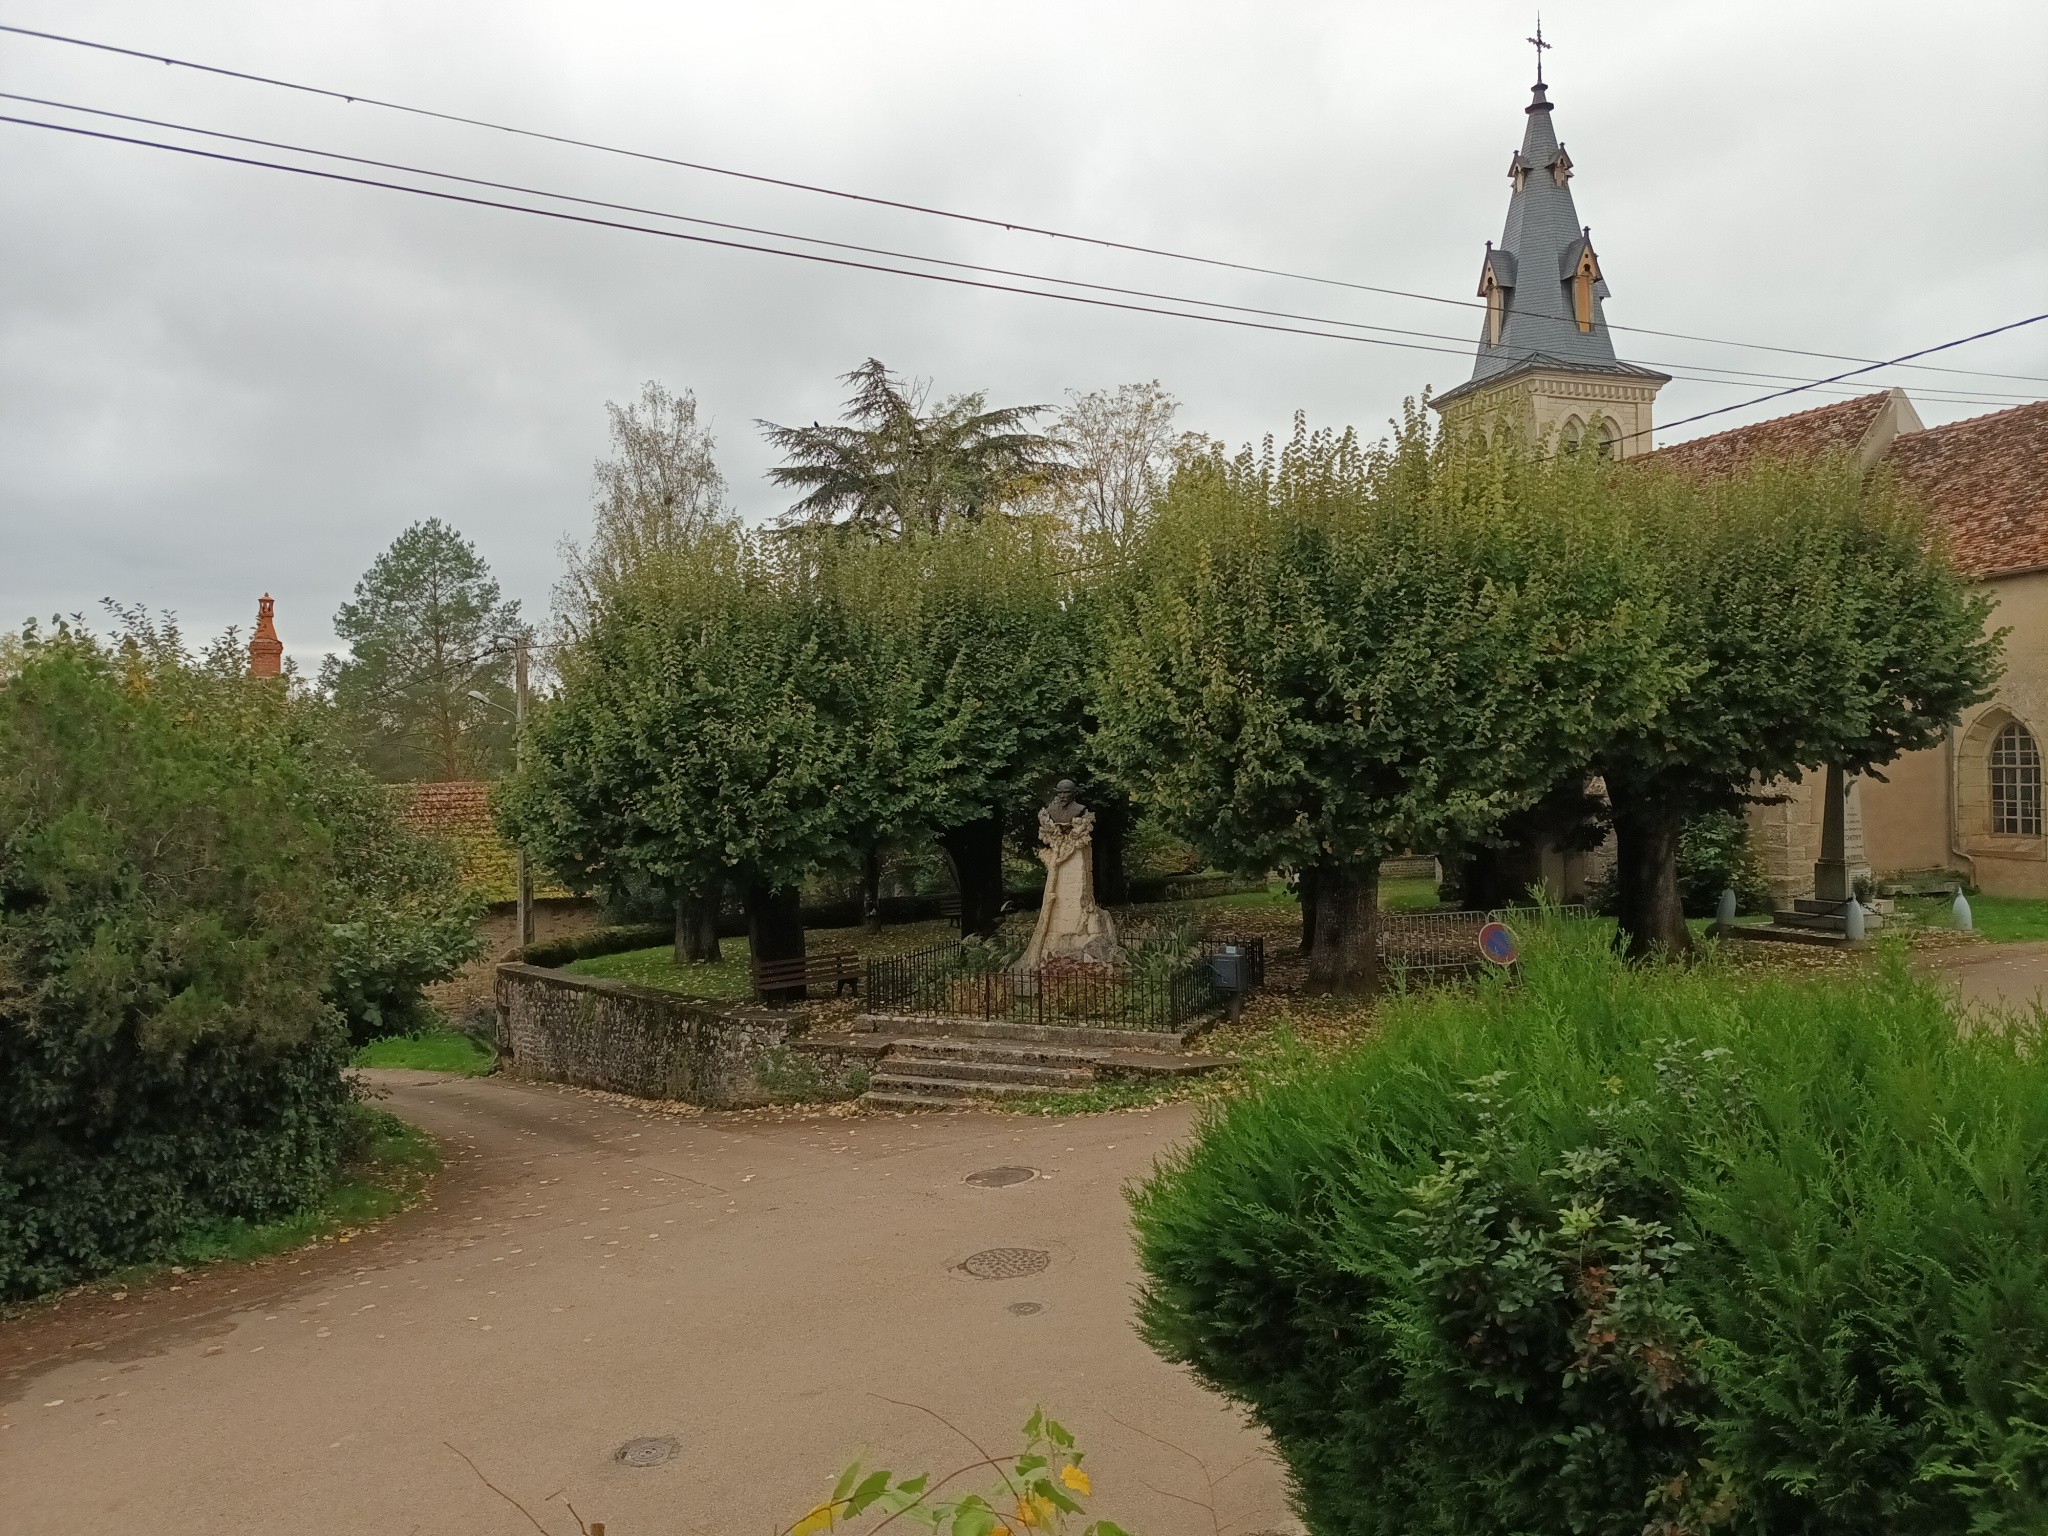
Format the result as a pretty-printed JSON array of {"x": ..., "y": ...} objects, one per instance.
[{"x": 1627, "y": 1251}]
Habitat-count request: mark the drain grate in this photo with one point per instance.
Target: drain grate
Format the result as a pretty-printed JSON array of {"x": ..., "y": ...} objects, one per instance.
[
  {"x": 996, "y": 1178},
  {"x": 650, "y": 1452},
  {"x": 1006, "y": 1263},
  {"x": 1027, "y": 1308}
]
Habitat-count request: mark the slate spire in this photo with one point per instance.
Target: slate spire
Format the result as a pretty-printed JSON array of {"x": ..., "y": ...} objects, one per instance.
[{"x": 1542, "y": 282}]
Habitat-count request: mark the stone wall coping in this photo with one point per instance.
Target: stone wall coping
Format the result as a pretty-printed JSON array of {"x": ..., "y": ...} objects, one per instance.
[{"x": 721, "y": 1007}]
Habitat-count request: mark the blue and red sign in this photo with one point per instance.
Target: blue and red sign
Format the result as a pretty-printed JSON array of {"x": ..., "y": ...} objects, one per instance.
[{"x": 1497, "y": 943}]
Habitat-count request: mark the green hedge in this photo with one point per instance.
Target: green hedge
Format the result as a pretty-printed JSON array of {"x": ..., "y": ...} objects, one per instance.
[
  {"x": 1632, "y": 1251},
  {"x": 179, "y": 873}
]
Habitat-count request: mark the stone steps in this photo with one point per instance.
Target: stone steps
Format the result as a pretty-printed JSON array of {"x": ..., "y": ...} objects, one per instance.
[
  {"x": 1070, "y": 1036},
  {"x": 1776, "y": 935},
  {"x": 951, "y": 1071}
]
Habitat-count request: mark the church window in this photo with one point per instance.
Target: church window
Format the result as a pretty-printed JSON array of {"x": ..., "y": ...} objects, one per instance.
[
  {"x": 1571, "y": 435},
  {"x": 1496, "y": 310},
  {"x": 1600, "y": 436},
  {"x": 2016, "y": 782}
]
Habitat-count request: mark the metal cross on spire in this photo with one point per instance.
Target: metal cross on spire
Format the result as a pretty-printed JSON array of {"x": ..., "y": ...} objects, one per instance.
[{"x": 1540, "y": 46}]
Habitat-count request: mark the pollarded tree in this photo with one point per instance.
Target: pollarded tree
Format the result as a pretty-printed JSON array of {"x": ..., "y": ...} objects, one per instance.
[
  {"x": 1328, "y": 656},
  {"x": 1830, "y": 629},
  {"x": 971, "y": 668},
  {"x": 701, "y": 734}
]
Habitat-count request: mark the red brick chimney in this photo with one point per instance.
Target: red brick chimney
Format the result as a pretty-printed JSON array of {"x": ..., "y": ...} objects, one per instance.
[{"x": 266, "y": 651}]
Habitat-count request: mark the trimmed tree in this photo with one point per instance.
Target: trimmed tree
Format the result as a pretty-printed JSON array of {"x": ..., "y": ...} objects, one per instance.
[
  {"x": 701, "y": 735},
  {"x": 1829, "y": 629},
  {"x": 977, "y": 666},
  {"x": 1324, "y": 657}
]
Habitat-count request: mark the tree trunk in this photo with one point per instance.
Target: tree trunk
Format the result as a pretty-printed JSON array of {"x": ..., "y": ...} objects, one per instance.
[
  {"x": 871, "y": 887},
  {"x": 697, "y": 928},
  {"x": 975, "y": 849},
  {"x": 1345, "y": 956},
  {"x": 1652, "y": 919},
  {"x": 775, "y": 931},
  {"x": 1112, "y": 823},
  {"x": 1305, "y": 893}
]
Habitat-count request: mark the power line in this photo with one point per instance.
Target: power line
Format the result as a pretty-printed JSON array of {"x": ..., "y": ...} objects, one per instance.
[
  {"x": 1011, "y": 225},
  {"x": 677, "y": 234},
  {"x": 1461, "y": 343},
  {"x": 1780, "y": 394}
]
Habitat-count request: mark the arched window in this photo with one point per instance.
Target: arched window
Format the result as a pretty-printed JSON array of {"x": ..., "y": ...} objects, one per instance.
[
  {"x": 1600, "y": 436},
  {"x": 2016, "y": 782},
  {"x": 1570, "y": 435}
]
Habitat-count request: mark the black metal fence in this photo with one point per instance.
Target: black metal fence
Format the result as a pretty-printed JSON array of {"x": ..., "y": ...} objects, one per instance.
[
  {"x": 957, "y": 981},
  {"x": 1432, "y": 944}
]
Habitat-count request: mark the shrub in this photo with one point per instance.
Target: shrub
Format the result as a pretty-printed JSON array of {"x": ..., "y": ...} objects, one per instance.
[
  {"x": 200, "y": 895},
  {"x": 1626, "y": 1251},
  {"x": 166, "y": 1050}
]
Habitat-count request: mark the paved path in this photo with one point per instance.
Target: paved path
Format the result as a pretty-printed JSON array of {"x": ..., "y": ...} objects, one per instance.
[
  {"x": 1999, "y": 975},
  {"x": 588, "y": 1273}
]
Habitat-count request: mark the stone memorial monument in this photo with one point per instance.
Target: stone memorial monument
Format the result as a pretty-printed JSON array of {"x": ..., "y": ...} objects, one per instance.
[{"x": 1070, "y": 924}]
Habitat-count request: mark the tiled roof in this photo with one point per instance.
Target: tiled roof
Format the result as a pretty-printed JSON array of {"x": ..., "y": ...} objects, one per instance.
[
  {"x": 459, "y": 814},
  {"x": 1986, "y": 482},
  {"x": 1835, "y": 428}
]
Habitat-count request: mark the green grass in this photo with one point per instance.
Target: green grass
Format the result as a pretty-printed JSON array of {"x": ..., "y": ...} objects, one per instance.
[
  {"x": 2001, "y": 919},
  {"x": 430, "y": 1050},
  {"x": 728, "y": 977},
  {"x": 392, "y": 1163}
]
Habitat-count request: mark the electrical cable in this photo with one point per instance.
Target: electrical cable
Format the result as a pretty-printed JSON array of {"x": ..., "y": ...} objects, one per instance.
[
  {"x": 1010, "y": 225},
  {"x": 1462, "y": 344},
  {"x": 1780, "y": 394}
]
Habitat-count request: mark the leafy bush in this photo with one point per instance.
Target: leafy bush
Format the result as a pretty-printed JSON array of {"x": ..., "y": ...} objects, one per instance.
[
  {"x": 1628, "y": 1251},
  {"x": 199, "y": 894}
]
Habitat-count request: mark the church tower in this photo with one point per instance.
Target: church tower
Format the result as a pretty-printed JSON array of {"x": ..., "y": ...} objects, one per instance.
[{"x": 1546, "y": 359}]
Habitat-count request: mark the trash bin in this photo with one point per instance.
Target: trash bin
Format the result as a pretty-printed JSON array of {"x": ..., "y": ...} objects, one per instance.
[{"x": 1226, "y": 968}]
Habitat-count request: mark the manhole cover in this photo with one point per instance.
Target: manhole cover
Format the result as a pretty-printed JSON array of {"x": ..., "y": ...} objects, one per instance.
[
  {"x": 651, "y": 1452},
  {"x": 996, "y": 1178},
  {"x": 1027, "y": 1308},
  {"x": 1006, "y": 1263}
]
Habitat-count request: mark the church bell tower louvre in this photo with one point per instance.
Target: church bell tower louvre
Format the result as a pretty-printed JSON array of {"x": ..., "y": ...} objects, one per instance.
[{"x": 1546, "y": 357}]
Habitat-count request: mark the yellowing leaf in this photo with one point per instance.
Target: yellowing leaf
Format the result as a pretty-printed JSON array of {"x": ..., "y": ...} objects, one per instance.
[
  {"x": 819, "y": 1519},
  {"x": 1075, "y": 1479}
]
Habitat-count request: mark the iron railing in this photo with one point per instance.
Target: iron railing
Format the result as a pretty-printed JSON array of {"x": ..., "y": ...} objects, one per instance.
[
  {"x": 956, "y": 981},
  {"x": 1437, "y": 943}
]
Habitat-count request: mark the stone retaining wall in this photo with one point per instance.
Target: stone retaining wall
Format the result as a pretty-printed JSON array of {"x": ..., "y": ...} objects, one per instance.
[{"x": 598, "y": 1033}]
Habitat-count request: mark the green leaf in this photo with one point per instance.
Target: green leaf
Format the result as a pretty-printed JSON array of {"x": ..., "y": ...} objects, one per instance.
[
  {"x": 870, "y": 1489},
  {"x": 847, "y": 1480}
]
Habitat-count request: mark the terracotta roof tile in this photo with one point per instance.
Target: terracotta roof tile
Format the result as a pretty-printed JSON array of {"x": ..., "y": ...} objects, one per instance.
[
  {"x": 1834, "y": 428},
  {"x": 1986, "y": 482},
  {"x": 459, "y": 814}
]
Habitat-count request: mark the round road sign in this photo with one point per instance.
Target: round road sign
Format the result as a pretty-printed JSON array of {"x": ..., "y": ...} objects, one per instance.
[{"x": 1497, "y": 943}]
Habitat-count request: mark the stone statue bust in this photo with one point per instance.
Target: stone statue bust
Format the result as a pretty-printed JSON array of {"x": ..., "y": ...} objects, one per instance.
[
  {"x": 1070, "y": 924},
  {"x": 1063, "y": 807}
]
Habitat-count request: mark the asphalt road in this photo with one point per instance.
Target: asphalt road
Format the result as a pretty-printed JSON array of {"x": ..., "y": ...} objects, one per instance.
[{"x": 774, "y": 1295}]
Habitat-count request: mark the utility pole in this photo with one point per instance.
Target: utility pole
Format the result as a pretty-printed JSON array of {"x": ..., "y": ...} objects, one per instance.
[{"x": 519, "y": 761}]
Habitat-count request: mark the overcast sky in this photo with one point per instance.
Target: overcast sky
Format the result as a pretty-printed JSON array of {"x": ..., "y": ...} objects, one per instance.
[{"x": 217, "y": 381}]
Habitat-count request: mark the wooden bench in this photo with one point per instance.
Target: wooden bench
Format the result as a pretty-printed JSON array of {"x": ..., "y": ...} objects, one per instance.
[{"x": 840, "y": 971}]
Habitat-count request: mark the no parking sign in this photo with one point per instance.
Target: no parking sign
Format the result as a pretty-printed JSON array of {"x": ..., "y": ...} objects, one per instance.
[{"x": 1497, "y": 944}]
